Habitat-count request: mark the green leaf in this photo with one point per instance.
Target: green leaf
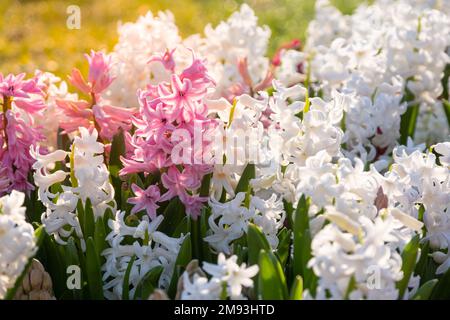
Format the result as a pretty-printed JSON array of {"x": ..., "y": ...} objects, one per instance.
[
  {"x": 71, "y": 252},
  {"x": 39, "y": 235},
  {"x": 173, "y": 215},
  {"x": 422, "y": 263},
  {"x": 89, "y": 219},
  {"x": 55, "y": 261},
  {"x": 288, "y": 208},
  {"x": 444, "y": 82},
  {"x": 108, "y": 215},
  {"x": 271, "y": 280},
  {"x": 80, "y": 213},
  {"x": 117, "y": 149},
  {"x": 424, "y": 292},
  {"x": 446, "y": 106},
  {"x": 408, "y": 123},
  {"x": 350, "y": 287},
  {"x": 297, "y": 289},
  {"x": 148, "y": 283},
  {"x": 256, "y": 241},
  {"x": 241, "y": 252},
  {"x": 302, "y": 244},
  {"x": 71, "y": 257},
  {"x": 184, "y": 257},
  {"x": 100, "y": 237},
  {"x": 126, "y": 279},
  {"x": 196, "y": 240},
  {"x": 94, "y": 274},
  {"x": 284, "y": 246},
  {"x": 233, "y": 107},
  {"x": 183, "y": 228},
  {"x": 409, "y": 258},
  {"x": 63, "y": 141},
  {"x": 441, "y": 290},
  {"x": 204, "y": 188},
  {"x": 204, "y": 227},
  {"x": 244, "y": 182}
]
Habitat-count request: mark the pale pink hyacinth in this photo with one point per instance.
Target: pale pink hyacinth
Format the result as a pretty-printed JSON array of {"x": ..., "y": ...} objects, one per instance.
[
  {"x": 99, "y": 77},
  {"x": 21, "y": 100},
  {"x": 145, "y": 200},
  {"x": 97, "y": 113},
  {"x": 166, "y": 59},
  {"x": 164, "y": 109}
]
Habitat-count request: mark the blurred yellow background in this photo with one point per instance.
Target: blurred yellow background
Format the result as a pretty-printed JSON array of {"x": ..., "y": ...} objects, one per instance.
[{"x": 33, "y": 33}]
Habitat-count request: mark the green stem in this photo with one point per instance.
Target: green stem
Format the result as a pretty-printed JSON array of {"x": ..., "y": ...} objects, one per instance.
[
  {"x": 408, "y": 123},
  {"x": 73, "y": 179}
]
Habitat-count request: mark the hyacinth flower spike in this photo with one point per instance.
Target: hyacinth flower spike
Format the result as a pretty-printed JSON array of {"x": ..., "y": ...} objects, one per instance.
[{"x": 97, "y": 113}]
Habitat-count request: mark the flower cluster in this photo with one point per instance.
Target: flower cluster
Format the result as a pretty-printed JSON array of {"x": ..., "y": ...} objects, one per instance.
[
  {"x": 147, "y": 247},
  {"x": 137, "y": 43},
  {"x": 386, "y": 60},
  {"x": 17, "y": 241},
  {"x": 169, "y": 114},
  {"x": 229, "y": 221},
  {"x": 236, "y": 53},
  {"x": 89, "y": 179},
  {"x": 320, "y": 173},
  {"x": 96, "y": 113},
  {"x": 228, "y": 279},
  {"x": 22, "y": 102}
]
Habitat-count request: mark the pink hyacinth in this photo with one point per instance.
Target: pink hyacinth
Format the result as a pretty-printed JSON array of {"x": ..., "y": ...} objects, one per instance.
[
  {"x": 99, "y": 77},
  {"x": 21, "y": 101},
  {"x": 165, "y": 110},
  {"x": 166, "y": 59},
  {"x": 107, "y": 119},
  {"x": 293, "y": 44},
  {"x": 145, "y": 200},
  {"x": 246, "y": 85}
]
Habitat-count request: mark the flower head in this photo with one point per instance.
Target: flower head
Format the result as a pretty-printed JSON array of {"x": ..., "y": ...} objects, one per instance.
[{"x": 145, "y": 200}]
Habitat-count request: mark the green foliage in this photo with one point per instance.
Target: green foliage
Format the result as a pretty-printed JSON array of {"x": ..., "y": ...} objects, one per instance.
[
  {"x": 441, "y": 290},
  {"x": 126, "y": 280},
  {"x": 446, "y": 106},
  {"x": 244, "y": 182},
  {"x": 284, "y": 245},
  {"x": 184, "y": 257},
  {"x": 424, "y": 292},
  {"x": 409, "y": 258},
  {"x": 173, "y": 215},
  {"x": 271, "y": 279},
  {"x": 297, "y": 289},
  {"x": 408, "y": 123},
  {"x": 256, "y": 242},
  {"x": 302, "y": 244},
  {"x": 93, "y": 270},
  {"x": 148, "y": 283}
]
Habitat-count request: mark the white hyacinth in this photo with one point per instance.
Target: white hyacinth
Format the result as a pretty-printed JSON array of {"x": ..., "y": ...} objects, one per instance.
[
  {"x": 226, "y": 274},
  {"x": 150, "y": 248},
  {"x": 239, "y": 37},
  {"x": 17, "y": 241},
  {"x": 229, "y": 221},
  {"x": 91, "y": 181}
]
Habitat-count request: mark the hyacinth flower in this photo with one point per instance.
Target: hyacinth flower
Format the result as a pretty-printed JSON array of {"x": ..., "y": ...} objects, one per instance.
[
  {"x": 295, "y": 44},
  {"x": 21, "y": 102},
  {"x": 89, "y": 179},
  {"x": 165, "y": 108},
  {"x": 95, "y": 113},
  {"x": 247, "y": 86}
]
